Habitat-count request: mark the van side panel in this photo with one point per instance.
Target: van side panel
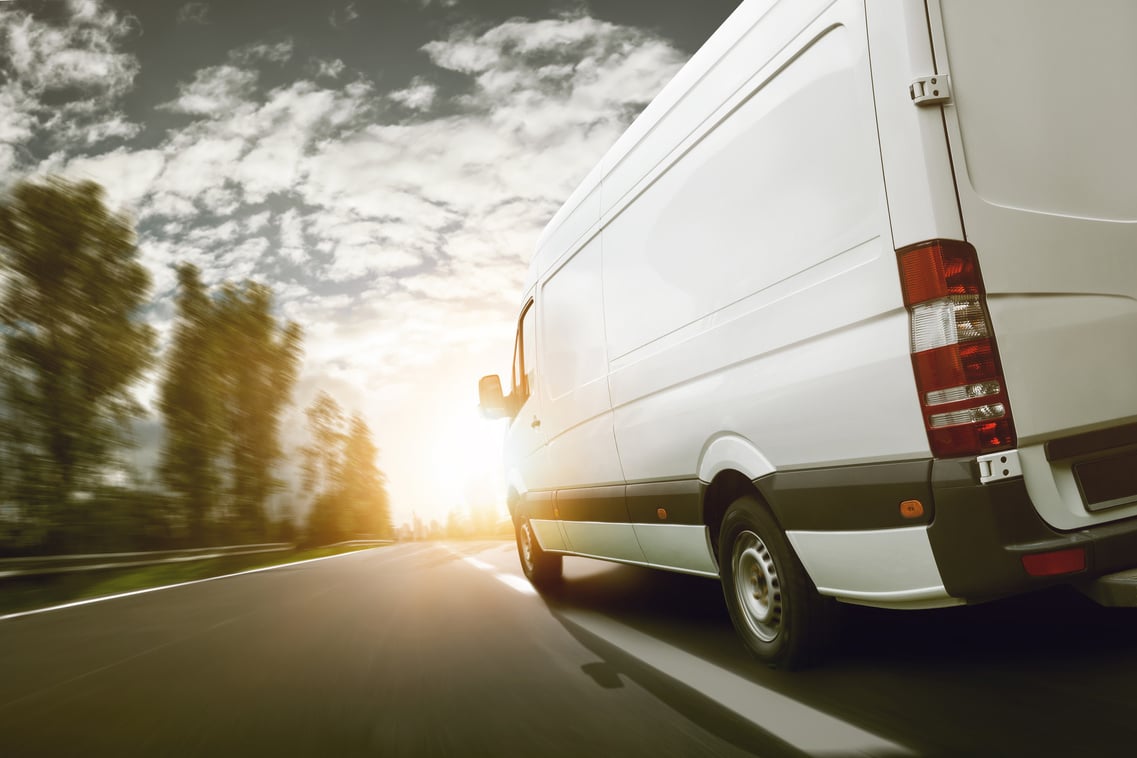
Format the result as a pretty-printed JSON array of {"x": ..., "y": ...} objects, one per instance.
[
  {"x": 576, "y": 410},
  {"x": 575, "y": 407},
  {"x": 752, "y": 288}
]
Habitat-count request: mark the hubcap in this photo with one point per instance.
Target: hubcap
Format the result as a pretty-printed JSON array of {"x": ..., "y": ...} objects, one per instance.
[
  {"x": 756, "y": 586},
  {"x": 526, "y": 546}
]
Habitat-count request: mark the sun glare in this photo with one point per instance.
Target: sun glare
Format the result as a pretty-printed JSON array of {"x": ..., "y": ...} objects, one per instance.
[{"x": 469, "y": 449}]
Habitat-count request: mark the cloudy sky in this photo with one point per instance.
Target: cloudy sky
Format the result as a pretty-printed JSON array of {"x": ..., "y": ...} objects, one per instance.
[{"x": 385, "y": 165}]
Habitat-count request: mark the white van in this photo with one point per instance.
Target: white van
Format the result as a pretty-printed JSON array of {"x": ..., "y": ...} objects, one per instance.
[{"x": 849, "y": 312}]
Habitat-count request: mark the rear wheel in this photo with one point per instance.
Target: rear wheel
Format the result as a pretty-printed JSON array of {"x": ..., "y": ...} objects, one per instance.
[
  {"x": 772, "y": 602},
  {"x": 542, "y": 569}
]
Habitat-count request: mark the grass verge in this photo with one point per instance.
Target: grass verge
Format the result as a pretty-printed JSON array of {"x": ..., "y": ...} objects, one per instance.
[{"x": 30, "y": 592}]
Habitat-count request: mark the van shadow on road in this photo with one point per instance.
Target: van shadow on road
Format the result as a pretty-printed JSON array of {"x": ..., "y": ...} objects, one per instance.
[{"x": 1050, "y": 627}]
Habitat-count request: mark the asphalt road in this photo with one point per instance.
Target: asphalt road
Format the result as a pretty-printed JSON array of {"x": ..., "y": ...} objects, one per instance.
[{"x": 438, "y": 650}]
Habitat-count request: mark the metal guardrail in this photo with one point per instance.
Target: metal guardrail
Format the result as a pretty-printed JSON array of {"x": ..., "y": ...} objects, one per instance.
[
  {"x": 64, "y": 564},
  {"x": 348, "y": 543}
]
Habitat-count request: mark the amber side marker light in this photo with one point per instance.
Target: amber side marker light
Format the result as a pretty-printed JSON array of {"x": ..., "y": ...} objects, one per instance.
[
  {"x": 662, "y": 513},
  {"x": 1056, "y": 562},
  {"x": 911, "y": 509}
]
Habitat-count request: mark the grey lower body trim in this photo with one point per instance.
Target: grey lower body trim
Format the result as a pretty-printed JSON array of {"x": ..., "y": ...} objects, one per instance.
[
  {"x": 678, "y": 546},
  {"x": 611, "y": 540},
  {"x": 645, "y": 564},
  {"x": 549, "y": 534},
  {"x": 683, "y": 548}
]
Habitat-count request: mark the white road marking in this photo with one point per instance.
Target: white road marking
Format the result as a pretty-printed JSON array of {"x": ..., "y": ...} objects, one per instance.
[
  {"x": 105, "y": 598},
  {"x": 516, "y": 583},
  {"x": 811, "y": 731},
  {"x": 509, "y": 580},
  {"x": 481, "y": 565}
]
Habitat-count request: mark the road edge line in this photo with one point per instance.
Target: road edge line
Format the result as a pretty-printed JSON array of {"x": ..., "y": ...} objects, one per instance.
[{"x": 144, "y": 590}]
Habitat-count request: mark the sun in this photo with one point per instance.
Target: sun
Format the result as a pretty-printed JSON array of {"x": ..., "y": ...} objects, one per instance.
[{"x": 469, "y": 449}]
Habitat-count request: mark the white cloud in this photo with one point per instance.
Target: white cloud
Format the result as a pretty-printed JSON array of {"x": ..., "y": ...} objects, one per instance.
[
  {"x": 464, "y": 54},
  {"x": 220, "y": 201},
  {"x": 61, "y": 79},
  {"x": 330, "y": 69},
  {"x": 367, "y": 259},
  {"x": 112, "y": 126},
  {"x": 279, "y": 53},
  {"x": 159, "y": 256},
  {"x": 238, "y": 263},
  {"x": 419, "y": 96},
  {"x": 8, "y": 160},
  {"x": 193, "y": 13},
  {"x": 198, "y": 164},
  {"x": 80, "y": 54},
  {"x": 257, "y": 221},
  {"x": 127, "y": 176},
  {"x": 17, "y": 114},
  {"x": 292, "y": 236},
  {"x": 214, "y": 91},
  {"x": 211, "y": 237},
  {"x": 169, "y": 205},
  {"x": 344, "y": 15}
]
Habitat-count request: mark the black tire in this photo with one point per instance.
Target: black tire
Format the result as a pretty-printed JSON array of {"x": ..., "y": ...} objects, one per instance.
[
  {"x": 542, "y": 569},
  {"x": 773, "y": 603}
]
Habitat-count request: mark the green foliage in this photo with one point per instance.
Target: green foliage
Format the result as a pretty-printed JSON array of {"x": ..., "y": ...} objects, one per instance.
[
  {"x": 364, "y": 486},
  {"x": 191, "y": 404},
  {"x": 340, "y": 470},
  {"x": 260, "y": 360},
  {"x": 71, "y": 315},
  {"x": 229, "y": 376},
  {"x": 327, "y": 426}
]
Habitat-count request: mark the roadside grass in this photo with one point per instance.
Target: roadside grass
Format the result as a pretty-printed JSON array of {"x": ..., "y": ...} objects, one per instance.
[{"x": 30, "y": 592}]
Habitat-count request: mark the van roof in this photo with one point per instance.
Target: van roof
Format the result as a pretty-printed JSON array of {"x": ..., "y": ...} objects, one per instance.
[{"x": 748, "y": 13}]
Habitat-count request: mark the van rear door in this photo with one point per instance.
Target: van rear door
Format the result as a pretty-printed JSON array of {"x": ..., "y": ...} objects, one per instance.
[{"x": 1040, "y": 125}]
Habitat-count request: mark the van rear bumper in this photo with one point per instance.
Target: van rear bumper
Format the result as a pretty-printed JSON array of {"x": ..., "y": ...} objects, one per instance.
[
  {"x": 847, "y": 528},
  {"x": 981, "y": 532}
]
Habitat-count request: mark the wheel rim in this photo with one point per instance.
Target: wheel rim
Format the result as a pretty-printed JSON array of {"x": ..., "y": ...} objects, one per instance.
[
  {"x": 526, "y": 546},
  {"x": 756, "y": 586}
]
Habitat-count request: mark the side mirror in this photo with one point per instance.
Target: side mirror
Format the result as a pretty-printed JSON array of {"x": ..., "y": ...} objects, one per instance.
[{"x": 490, "y": 398}]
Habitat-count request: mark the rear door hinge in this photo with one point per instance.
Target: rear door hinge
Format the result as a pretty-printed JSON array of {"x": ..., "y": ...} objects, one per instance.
[
  {"x": 996, "y": 466},
  {"x": 930, "y": 90}
]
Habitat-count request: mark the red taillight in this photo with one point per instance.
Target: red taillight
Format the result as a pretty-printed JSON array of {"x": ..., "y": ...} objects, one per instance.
[
  {"x": 937, "y": 269},
  {"x": 1056, "y": 562},
  {"x": 963, "y": 393}
]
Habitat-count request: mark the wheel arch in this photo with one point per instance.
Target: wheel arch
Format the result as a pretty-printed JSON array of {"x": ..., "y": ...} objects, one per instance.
[
  {"x": 728, "y": 464},
  {"x": 727, "y": 486}
]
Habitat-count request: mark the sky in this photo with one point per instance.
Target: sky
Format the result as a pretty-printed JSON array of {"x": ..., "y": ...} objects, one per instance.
[{"x": 386, "y": 167}]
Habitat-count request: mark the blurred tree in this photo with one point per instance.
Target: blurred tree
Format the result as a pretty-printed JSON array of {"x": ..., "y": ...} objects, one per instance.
[
  {"x": 191, "y": 404},
  {"x": 321, "y": 460},
  {"x": 322, "y": 463},
  {"x": 71, "y": 311},
  {"x": 340, "y": 470},
  {"x": 229, "y": 375},
  {"x": 258, "y": 368},
  {"x": 365, "y": 487}
]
